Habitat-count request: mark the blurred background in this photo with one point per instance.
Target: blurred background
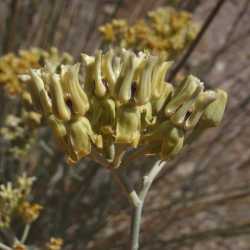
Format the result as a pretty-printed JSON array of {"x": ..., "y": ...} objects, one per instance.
[{"x": 201, "y": 199}]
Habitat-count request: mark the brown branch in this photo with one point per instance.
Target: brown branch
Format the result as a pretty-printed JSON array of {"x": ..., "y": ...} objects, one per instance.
[{"x": 194, "y": 44}]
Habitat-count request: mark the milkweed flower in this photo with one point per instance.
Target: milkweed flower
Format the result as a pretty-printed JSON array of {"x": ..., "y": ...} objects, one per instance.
[{"x": 120, "y": 98}]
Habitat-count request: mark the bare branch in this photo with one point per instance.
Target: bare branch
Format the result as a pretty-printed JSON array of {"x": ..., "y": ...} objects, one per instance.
[{"x": 189, "y": 51}]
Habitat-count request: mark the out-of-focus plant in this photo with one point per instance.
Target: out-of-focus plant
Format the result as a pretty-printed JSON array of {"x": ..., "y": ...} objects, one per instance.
[
  {"x": 165, "y": 30},
  {"x": 54, "y": 244},
  {"x": 120, "y": 101},
  {"x": 17, "y": 135},
  {"x": 14, "y": 201},
  {"x": 15, "y": 204},
  {"x": 18, "y": 131},
  {"x": 12, "y": 65}
]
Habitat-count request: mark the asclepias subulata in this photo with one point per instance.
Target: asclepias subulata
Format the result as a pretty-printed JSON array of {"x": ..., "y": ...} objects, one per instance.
[{"x": 118, "y": 99}]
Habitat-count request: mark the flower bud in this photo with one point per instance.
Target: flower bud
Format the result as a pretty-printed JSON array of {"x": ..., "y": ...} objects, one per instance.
[{"x": 214, "y": 112}]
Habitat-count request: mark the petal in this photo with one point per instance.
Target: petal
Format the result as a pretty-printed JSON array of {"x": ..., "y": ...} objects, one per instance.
[
  {"x": 58, "y": 103},
  {"x": 79, "y": 99},
  {"x": 39, "y": 93},
  {"x": 158, "y": 78},
  {"x": 201, "y": 102},
  {"x": 166, "y": 93},
  {"x": 100, "y": 89},
  {"x": 144, "y": 88},
  {"x": 178, "y": 118},
  {"x": 183, "y": 93}
]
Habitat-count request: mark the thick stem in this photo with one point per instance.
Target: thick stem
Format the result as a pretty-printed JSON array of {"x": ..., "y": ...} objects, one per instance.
[{"x": 137, "y": 210}]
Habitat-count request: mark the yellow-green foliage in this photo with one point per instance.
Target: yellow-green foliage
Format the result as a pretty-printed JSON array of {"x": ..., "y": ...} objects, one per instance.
[
  {"x": 165, "y": 30},
  {"x": 121, "y": 100}
]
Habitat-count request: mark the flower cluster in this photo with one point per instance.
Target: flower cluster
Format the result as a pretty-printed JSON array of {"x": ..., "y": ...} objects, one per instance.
[
  {"x": 12, "y": 65},
  {"x": 165, "y": 30},
  {"x": 14, "y": 201},
  {"x": 121, "y": 99}
]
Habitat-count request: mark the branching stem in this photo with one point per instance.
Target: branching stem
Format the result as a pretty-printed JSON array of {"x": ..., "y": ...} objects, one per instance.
[
  {"x": 136, "y": 201},
  {"x": 137, "y": 211}
]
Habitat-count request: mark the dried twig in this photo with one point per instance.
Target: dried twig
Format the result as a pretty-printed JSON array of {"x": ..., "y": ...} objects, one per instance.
[{"x": 193, "y": 45}]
